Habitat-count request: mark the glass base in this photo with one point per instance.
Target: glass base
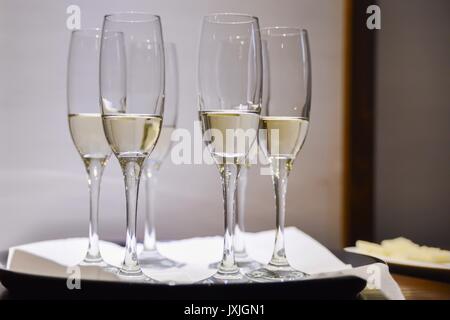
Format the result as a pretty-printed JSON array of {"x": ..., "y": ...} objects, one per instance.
[
  {"x": 270, "y": 273},
  {"x": 98, "y": 262},
  {"x": 243, "y": 261},
  {"x": 226, "y": 278},
  {"x": 155, "y": 260},
  {"x": 134, "y": 276}
]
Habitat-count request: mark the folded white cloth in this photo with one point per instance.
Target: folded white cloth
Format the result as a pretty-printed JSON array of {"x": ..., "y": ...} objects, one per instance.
[{"x": 53, "y": 257}]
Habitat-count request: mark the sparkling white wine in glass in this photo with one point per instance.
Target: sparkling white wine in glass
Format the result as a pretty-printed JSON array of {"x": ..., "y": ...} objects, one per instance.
[
  {"x": 229, "y": 135},
  {"x": 282, "y": 136},
  {"x": 87, "y": 134},
  {"x": 131, "y": 135}
]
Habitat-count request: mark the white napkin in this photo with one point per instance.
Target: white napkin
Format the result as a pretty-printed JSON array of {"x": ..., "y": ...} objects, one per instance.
[
  {"x": 53, "y": 258},
  {"x": 304, "y": 252}
]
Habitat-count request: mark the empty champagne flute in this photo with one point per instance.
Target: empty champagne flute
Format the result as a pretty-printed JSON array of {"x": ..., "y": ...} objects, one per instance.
[
  {"x": 287, "y": 102},
  {"x": 132, "y": 98},
  {"x": 150, "y": 257},
  {"x": 85, "y": 124},
  {"x": 229, "y": 84}
]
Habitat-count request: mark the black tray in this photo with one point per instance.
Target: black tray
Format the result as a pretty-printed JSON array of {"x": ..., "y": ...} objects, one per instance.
[{"x": 22, "y": 285}]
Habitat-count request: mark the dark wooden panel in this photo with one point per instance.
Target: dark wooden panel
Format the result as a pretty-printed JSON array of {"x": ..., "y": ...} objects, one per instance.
[{"x": 359, "y": 135}]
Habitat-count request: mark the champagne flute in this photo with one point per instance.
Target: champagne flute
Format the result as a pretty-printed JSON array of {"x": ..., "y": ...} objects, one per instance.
[
  {"x": 85, "y": 124},
  {"x": 150, "y": 257},
  {"x": 132, "y": 97},
  {"x": 243, "y": 260},
  {"x": 229, "y": 83},
  {"x": 287, "y": 101}
]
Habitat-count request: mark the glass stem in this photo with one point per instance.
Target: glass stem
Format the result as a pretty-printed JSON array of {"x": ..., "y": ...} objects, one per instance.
[
  {"x": 229, "y": 174},
  {"x": 239, "y": 242},
  {"x": 150, "y": 234},
  {"x": 280, "y": 172},
  {"x": 132, "y": 172},
  {"x": 94, "y": 168}
]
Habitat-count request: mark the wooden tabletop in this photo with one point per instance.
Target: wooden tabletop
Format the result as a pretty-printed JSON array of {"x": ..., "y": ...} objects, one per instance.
[
  {"x": 422, "y": 289},
  {"x": 412, "y": 288}
]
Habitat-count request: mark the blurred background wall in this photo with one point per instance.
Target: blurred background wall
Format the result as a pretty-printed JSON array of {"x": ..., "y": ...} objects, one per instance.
[
  {"x": 43, "y": 188},
  {"x": 412, "y": 171}
]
